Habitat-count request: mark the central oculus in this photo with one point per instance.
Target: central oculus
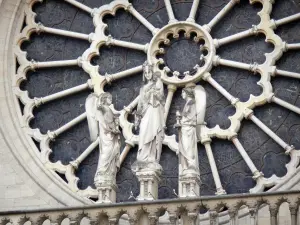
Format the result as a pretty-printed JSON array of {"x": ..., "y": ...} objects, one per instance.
[
  {"x": 181, "y": 49},
  {"x": 182, "y": 52}
]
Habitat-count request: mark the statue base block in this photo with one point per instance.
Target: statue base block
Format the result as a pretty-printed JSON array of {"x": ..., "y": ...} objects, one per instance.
[
  {"x": 107, "y": 193},
  {"x": 189, "y": 186},
  {"x": 149, "y": 180}
]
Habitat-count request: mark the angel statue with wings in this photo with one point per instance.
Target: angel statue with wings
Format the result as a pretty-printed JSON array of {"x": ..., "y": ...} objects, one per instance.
[
  {"x": 103, "y": 124},
  {"x": 189, "y": 125},
  {"x": 150, "y": 118}
]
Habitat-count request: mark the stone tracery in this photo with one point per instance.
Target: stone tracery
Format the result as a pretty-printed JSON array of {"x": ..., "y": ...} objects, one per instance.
[{"x": 97, "y": 82}]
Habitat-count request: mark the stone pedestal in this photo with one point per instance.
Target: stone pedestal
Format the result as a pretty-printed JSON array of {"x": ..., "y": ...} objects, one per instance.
[
  {"x": 149, "y": 180},
  {"x": 106, "y": 190},
  {"x": 189, "y": 186},
  {"x": 107, "y": 194}
]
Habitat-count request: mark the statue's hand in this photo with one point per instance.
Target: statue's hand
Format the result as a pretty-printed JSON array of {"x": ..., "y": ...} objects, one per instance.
[
  {"x": 100, "y": 107},
  {"x": 116, "y": 131},
  {"x": 177, "y": 125},
  {"x": 117, "y": 121}
]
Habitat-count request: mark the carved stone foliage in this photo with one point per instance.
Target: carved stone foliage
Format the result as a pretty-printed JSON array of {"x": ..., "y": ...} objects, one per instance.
[{"x": 105, "y": 59}]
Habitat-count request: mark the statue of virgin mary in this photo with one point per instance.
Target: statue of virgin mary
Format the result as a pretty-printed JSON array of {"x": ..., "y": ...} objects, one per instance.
[{"x": 150, "y": 118}]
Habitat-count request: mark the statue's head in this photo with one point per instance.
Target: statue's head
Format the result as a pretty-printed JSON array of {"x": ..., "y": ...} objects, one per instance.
[
  {"x": 105, "y": 99},
  {"x": 147, "y": 71},
  {"x": 188, "y": 91}
]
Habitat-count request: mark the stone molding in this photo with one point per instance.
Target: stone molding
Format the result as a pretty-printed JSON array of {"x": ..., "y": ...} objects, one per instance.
[{"x": 149, "y": 212}]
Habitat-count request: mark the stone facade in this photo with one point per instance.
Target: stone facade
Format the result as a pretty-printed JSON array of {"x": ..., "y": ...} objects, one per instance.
[{"x": 23, "y": 186}]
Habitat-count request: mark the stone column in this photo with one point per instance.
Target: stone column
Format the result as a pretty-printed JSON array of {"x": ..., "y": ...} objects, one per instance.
[
  {"x": 253, "y": 215},
  {"x": 273, "y": 213},
  {"x": 132, "y": 221},
  {"x": 153, "y": 219},
  {"x": 233, "y": 217},
  {"x": 213, "y": 166},
  {"x": 213, "y": 218},
  {"x": 193, "y": 218},
  {"x": 294, "y": 212},
  {"x": 173, "y": 219}
]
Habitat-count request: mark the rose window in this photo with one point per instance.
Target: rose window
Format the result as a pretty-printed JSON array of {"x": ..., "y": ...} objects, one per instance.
[{"x": 244, "y": 55}]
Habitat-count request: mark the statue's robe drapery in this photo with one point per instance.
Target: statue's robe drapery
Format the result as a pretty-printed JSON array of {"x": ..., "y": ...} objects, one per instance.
[
  {"x": 109, "y": 143},
  {"x": 188, "y": 153},
  {"x": 151, "y": 133},
  {"x": 102, "y": 124}
]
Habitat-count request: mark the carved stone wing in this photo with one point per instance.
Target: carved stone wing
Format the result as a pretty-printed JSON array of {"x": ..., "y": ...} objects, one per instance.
[
  {"x": 91, "y": 111},
  {"x": 200, "y": 97}
]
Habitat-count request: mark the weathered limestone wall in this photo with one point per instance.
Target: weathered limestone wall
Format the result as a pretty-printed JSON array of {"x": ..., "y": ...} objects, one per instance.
[
  {"x": 17, "y": 188},
  {"x": 24, "y": 182}
]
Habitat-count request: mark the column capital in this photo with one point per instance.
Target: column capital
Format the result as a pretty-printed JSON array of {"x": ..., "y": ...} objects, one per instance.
[
  {"x": 132, "y": 221},
  {"x": 113, "y": 221},
  {"x": 293, "y": 209},
  {"x": 172, "y": 88},
  {"x": 273, "y": 210},
  {"x": 213, "y": 215},
  {"x": 173, "y": 218},
  {"x": 252, "y": 212},
  {"x": 153, "y": 219},
  {"x": 192, "y": 217},
  {"x": 232, "y": 213}
]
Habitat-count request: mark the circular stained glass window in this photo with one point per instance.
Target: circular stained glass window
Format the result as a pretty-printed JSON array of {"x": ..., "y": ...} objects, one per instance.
[{"x": 245, "y": 55}]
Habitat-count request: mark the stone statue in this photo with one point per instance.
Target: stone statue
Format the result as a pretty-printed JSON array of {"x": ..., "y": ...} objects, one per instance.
[
  {"x": 192, "y": 119},
  {"x": 150, "y": 118},
  {"x": 104, "y": 125}
]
